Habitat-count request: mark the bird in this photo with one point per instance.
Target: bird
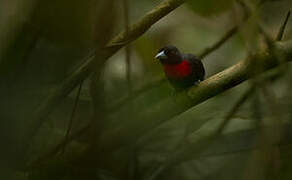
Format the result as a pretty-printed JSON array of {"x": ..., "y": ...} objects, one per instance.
[{"x": 181, "y": 70}]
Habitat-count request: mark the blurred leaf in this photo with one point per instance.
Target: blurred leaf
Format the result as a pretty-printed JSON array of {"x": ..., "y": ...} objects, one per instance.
[
  {"x": 209, "y": 7},
  {"x": 66, "y": 21},
  {"x": 143, "y": 46}
]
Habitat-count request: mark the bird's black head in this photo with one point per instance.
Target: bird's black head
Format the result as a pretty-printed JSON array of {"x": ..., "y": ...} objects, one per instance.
[{"x": 169, "y": 55}]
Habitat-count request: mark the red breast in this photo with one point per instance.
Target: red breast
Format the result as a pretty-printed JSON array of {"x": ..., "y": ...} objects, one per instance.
[{"x": 177, "y": 71}]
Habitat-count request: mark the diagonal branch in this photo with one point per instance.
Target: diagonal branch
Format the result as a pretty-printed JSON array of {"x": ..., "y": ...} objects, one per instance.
[
  {"x": 135, "y": 31},
  {"x": 219, "y": 43},
  {"x": 283, "y": 27},
  {"x": 161, "y": 79},
  {"x": 137, "y": 92},
  {"x": 172, "y": 106},
  {"x": 201, "y": 55},
  {"x": 72, "y": 115},
  {"x": 183, "y": 151}
]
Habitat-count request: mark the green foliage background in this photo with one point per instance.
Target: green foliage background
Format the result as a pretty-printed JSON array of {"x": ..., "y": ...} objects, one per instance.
[{"x": 44, "y": 42}]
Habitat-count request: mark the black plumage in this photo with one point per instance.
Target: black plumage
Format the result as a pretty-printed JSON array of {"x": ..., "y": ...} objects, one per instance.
[{"x": 182, "y": 70}]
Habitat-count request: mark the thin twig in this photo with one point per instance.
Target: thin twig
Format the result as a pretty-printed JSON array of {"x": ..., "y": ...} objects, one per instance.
[
  {"x": 58, "y": 147},
  {"x": 182, "y": 148},
  {"x": 72, "y": 115},
  {"x": 241, "y": 100},
  {"x": 283, "y": 27},
  {"x": 271, "y": 44},
  {"x": 132, "y": 158},
  {"x": 226, "y": 36},
  {"x": 127, "y": 47},
  {"x": 80, "y": 132},
  {"x": 266, "y": 138},
  {"x": 219, "y": 43}
]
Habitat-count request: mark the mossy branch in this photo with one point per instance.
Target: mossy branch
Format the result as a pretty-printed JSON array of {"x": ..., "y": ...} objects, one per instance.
[{"x": 172, "y": 106}]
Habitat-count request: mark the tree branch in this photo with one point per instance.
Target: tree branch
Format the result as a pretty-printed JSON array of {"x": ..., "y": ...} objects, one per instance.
[
  {"x": 161, "y": 79},
  {"x": 135, "y": 31},
  {"x": 205, "y": 52},
  {"x": 172, "y": 106}
]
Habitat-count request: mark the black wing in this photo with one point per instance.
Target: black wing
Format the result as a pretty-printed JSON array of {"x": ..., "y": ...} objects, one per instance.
[{"x": 198, "y": 71}]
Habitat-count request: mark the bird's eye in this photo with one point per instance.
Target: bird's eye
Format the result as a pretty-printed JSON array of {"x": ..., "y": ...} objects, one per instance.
[
  {"x": 172, "y": 51},
  {"x": 166, "y": 51}
]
